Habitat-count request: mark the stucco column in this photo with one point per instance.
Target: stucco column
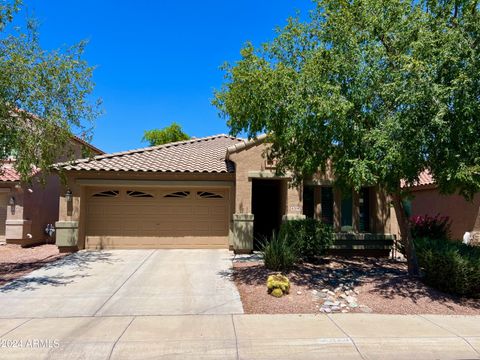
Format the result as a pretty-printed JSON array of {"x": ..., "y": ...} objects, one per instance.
[
  {"x": 294, "y": 203},
  {"x": 69, "y": 217},
  {"x": 17, "y": 228},
  {"x": 242, "y": 233}
]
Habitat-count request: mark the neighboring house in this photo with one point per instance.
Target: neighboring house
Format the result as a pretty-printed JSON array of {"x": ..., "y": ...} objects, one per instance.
[
  {"x": 27, "y": 209},
  {"x": 427, "y": 200},
  {"x": 212, "y": 192}
]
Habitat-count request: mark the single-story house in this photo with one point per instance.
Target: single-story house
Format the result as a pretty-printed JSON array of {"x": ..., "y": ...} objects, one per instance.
[
  {"x": 26, "y": 209},
  {"x": 212, "y": 192},
  {"x": 427, "y": 200}
]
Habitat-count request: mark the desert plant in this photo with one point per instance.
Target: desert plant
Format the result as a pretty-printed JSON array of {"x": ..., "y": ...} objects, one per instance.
[
  {"x": 449, "y": 266},
  {"x": 433, "y": 227},
  {"x": 278, "y": 285},
  {"x": 278, "y": 253},
  {"x": 309, "y": 237}
]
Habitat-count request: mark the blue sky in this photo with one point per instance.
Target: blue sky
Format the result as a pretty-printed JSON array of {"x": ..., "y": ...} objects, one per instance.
[{"x": 158, "y": 61}]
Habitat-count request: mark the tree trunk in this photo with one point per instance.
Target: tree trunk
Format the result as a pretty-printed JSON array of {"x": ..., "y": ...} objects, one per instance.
[
  {"x": 406, "y": 234},
  {"x": 476, "y": 226},
  {"x": 475, "y": 233}
]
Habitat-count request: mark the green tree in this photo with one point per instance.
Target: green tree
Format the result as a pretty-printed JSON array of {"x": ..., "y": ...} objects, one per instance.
[
  {"x": 44, "y": 95},
  {"x": 383, "y": 88},
  {"x": 166, "y": 135}
]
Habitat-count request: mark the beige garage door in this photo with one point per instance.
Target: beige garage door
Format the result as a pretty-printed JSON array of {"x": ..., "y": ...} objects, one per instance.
[{"x": 154, "y": 218}]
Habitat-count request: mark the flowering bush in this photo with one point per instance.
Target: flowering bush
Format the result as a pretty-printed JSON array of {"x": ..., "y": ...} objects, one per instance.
[{"x": 432, "y": 227}]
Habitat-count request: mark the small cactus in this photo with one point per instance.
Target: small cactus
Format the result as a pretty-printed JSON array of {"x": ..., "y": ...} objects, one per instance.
[
  {"x": 278, "y": 285},
  {"x": 277, "y": 292}
]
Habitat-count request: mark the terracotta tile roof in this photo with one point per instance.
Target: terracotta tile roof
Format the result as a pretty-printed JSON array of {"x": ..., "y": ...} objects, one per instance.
[
  {"x": 7, "y": 173},
  {"x": 245, "y": 144},
  {"x": 425, "y": 178},
  {"x": 195, "y": 155}
]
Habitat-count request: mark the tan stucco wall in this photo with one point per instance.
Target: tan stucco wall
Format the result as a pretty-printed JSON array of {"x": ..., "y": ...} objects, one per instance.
[
  {"x": 37, "y": 204},
  {"x": 251, "y": 163},
  {"x": 41, "y": 207},
  {"x": 461, "y": 212}
]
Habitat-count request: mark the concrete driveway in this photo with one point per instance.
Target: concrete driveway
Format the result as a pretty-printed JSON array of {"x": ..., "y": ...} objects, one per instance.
[{"x": 126, "y": 282}]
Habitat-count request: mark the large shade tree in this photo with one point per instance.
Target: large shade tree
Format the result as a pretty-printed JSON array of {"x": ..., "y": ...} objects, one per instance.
[
  {"x": 168, "y": 134},
  {"x": 45, "y": 96},
  {"x": 385, "y": 89}
]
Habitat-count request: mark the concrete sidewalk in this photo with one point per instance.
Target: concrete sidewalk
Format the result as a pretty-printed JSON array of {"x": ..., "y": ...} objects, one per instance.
[{"x": 339, "y": 336}]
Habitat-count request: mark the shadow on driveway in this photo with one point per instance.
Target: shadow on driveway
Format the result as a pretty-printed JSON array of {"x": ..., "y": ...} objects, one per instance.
[{"x": 78, "y": 261}]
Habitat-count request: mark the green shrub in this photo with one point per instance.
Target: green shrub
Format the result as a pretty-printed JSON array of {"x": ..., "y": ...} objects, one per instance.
[
  {"x": 278, "y": 253},
  {"x": 449, "y": 266},
  {"x": 309, "y": 237}
]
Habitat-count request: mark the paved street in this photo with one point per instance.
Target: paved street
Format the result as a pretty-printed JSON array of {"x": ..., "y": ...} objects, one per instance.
[{"x": 339, "y": 336}]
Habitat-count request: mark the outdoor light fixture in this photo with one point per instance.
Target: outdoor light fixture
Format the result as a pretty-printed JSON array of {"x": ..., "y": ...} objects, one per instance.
[
  {"x": 11, "y": 202},
  {"x": 69, "y": 195}
]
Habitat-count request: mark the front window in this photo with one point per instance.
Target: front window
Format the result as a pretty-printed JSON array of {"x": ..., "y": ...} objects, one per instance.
[
  {"x": 364, "y": 204},
  {"x": 327, "y": 205}
]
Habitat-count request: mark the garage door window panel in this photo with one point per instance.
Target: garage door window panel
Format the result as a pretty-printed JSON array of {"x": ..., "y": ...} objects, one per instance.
[
  {"x": 107, "y": 194},
  {"x": 138, "y": 194},
  {"x": 178, "y": 194},
  {"x": 209, "y": 195}
]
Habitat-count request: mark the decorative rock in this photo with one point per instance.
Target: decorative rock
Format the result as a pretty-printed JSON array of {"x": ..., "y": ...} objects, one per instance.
[
  {"x": 335, "y": 308},
  {"x": 314, "y": 292},
  {"x": 326, "y": 310},
  {"x": 365, "y": 309},
  {"x": 299, "y": 293},
  {"x": 351, "y": 299},
  {"x": 331, "y": 303},
  {"x": 331, "y": 293},
  {"x": 344, "y": 311},
  {"x": 324, "y": 290}
]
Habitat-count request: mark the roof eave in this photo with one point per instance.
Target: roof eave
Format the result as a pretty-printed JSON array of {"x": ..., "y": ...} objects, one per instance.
[{"x": 244, "y": 145}]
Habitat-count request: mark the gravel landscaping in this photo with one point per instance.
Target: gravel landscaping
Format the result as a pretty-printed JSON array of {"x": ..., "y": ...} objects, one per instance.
[
  {"x": 345, "y": 285},
  {"x": 16, "y": 261}
]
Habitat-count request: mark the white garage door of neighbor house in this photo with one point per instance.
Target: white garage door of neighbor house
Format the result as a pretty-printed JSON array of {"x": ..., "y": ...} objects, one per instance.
[{"x": 119, "y": 218}]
